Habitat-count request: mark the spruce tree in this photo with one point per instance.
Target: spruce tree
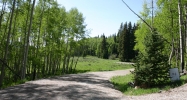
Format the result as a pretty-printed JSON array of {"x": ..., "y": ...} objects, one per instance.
[
  {"x": 119, "y": 42},
  {"x": 152, "y": 66},
  {"x": 126, "y": 42},
  {"x": 123, "y": 44},
  {"x": 131, "y": 40},
  {"x": 104, "y": 49}
]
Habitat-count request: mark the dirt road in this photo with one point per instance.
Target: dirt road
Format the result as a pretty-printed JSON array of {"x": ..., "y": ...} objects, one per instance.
[{"x": 87, "y": 86}]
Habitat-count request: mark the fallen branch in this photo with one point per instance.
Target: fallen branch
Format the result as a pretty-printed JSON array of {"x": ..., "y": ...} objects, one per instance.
[{"x": 4, "y": 63}]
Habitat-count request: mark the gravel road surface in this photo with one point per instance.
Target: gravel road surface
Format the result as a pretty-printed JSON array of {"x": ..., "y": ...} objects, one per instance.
[{"x": 87, "y": 86}]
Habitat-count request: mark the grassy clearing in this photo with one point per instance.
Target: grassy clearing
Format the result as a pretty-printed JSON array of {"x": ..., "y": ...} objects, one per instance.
[
  {"x": 121, "y": 83},
  {"x": 87, "y": 64},
  {"x": 90, "y": 64}
]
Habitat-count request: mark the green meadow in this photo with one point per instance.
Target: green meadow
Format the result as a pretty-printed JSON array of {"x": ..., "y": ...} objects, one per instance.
[{"x": 92, "y": 64}]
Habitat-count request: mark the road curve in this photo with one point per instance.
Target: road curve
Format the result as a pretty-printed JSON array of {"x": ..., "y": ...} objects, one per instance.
[{"x": 86, "y": 86}]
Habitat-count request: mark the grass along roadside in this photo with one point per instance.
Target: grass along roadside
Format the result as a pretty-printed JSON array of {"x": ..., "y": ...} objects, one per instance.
[
  {"x": 91, "y": 64},
  {"x": 87, "y": 64},
  {"x": 121, "y": 83}
]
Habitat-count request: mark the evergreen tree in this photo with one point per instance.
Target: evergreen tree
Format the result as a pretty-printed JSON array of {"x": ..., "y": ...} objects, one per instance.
[
  {"x": 120, "y": 31},
  {"x": 104, "y": 49},
  {"x": 152, "y": 65},
  {"x": 124, "y": 44},
  {"x": 132, "y": 41},
  {"x": 114, "y": 45}
]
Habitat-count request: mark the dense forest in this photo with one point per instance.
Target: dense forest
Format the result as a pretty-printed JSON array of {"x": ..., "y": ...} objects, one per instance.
[{"x": 40, "y": 38}]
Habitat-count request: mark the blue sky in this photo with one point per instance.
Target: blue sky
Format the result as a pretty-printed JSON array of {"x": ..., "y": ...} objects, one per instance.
[{"x": 104, "y": 16}]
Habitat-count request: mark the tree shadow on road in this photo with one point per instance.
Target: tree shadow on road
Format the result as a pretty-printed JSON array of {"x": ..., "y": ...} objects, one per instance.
[
  {"x": 85, "y": 78},
  {"x": 31, "y": 91}
]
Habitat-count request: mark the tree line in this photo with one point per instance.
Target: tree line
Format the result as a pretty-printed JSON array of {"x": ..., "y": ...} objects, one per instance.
[
  {"x": 38, "y": 38},
  {"x": 120, "y": 45}
]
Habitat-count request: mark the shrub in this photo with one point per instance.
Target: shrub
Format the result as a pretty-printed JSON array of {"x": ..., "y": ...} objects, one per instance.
[{"x": 113, "y": 56}]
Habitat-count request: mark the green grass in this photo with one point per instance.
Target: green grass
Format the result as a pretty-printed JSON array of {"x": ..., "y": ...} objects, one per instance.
[
  {"x": 91, "y": 64},
  {"x": 121, "y": 83},
  {"x": 14, "y": 83},
  {"x": 87, "y": 64}
]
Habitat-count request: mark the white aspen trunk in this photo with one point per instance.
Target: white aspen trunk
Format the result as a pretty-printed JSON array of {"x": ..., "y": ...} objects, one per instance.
[
  {"x": 23, "y": 69},
  {"x": 186, "y": 29},
  {"x": 173, "y": 40},
  {"x": 181, "y": 37},
  {"x": 27, "y": 47}
]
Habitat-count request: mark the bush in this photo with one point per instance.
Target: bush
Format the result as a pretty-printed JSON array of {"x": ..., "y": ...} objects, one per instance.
[{"x": 113, "y": 56}]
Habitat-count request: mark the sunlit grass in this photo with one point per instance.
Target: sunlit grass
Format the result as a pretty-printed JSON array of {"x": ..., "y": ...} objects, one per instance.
[
  {"x": 91, "y": 63},
  {"x": 86, "y": 64},
  {"x": 121, "y": 83}
]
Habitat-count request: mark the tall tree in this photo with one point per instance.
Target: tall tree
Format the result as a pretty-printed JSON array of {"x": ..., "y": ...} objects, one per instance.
[
  {"x": 181, "y": 36},
  {"x": 104, "y": 48},
  {"x": 7, "y": 44},
  {"x": 123, "y": 44},
  {"x": 27, "y": 43},
  {"x": 126, "y": 43},
  {"x": 166, "y": 22}
]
